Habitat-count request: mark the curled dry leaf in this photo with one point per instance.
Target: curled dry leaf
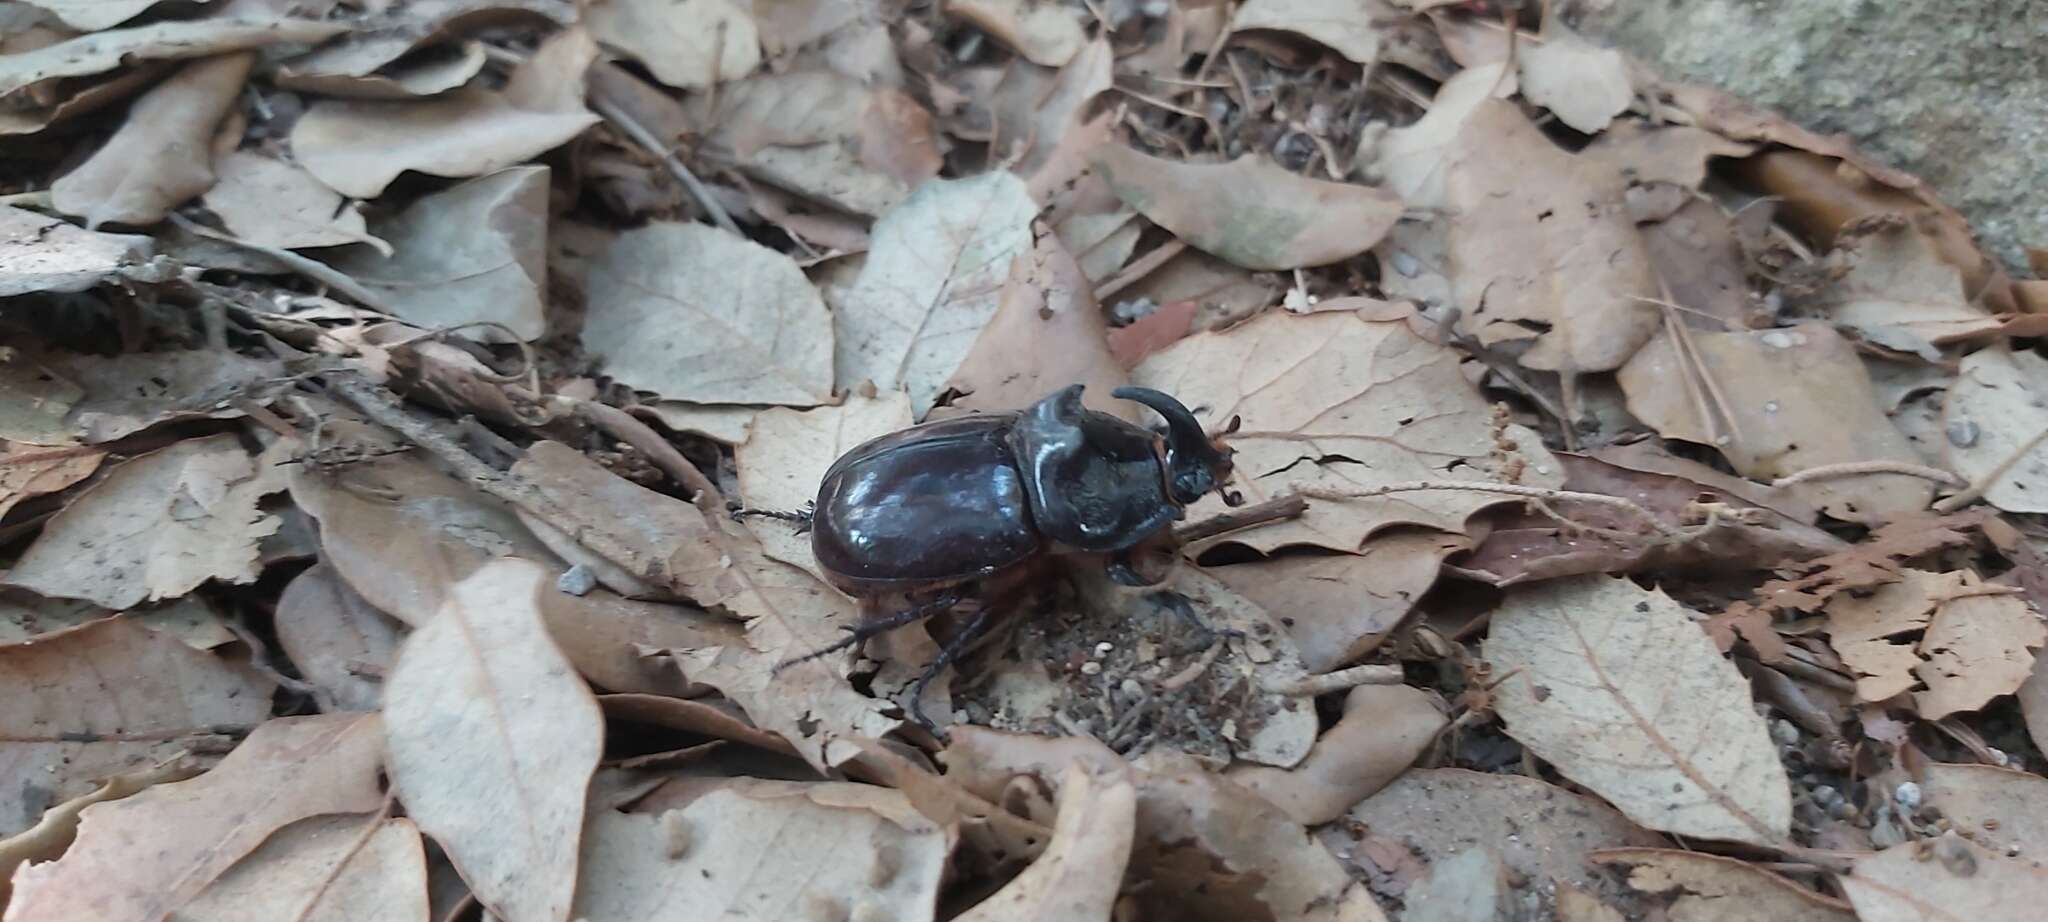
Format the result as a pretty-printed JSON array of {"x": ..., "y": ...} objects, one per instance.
[
  {"x": 815, "y": 133},
  {"x": 1385, "y": 728},
  {"x": 267, "y": 201},
  {"x": 1996, "y": 807},
  {"x": 1415, "y": 159},
  {"x": 94, "y": 15},
  {"x": 1901, "y": 294},
  {"x": 162, "y": 156},
  {"x": 1996, "y": 418},
  {"x": 1873, "y": 632},
  {"x": 1779, "y": 402},
  {"x": 784, "y": 459},
  {"x": 932, "y": 279},
  {"x": 1337, "y": 607},
  {"x": 696, "y": 313},
  {"x": 1038, "y": 119},
  {"x": 323, "y": 869},
  {"x": 1344, "y": 401},
  {"x": 1584, "y": 85},
  {"x": 1046, "y": 334},
  {"x": 29, "y": 471},
  {"x": 492, "y": 740},
  {"x": 472, "y": 253},
  {"x": 1082, "y": 870},
  {"x": 338, "y": 641},
  {"x": 1959, "y": 881},
  {"x": 1042, "y": 32},
  {"x": 67, "y": 729},
  {"x": 42, "y": 253},
  {"x": 156, "y": 528},
  {"x": 1643, "y": 153},
  {"x": 1344, "y": 25},
  {"x": 689, "y": 45},
  {"x": 1543, "y": 832},
  {"x": 410, "y": 50},
  {"x": 142, "y": 857},
  {"x": 58, "y": 827},
  {"x": 199, "y": 38},
  {"x": 1711, "y": 888},
  {"x": 1542, "y": 237},
  {"x": 1249, "y": 211},
  {"x": 1980, "y": 646},
  {"x": 1625, "y": 694}
]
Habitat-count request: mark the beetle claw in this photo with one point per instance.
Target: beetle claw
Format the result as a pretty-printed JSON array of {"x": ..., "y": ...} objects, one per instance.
[{"x": 1178, "y": 604}]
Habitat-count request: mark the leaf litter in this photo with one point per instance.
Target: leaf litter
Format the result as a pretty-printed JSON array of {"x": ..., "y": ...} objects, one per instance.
[{"x": 1639, "y": 508}]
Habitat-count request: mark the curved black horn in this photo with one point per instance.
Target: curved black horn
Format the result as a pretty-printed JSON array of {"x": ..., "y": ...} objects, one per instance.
[{"x": 1185, "y": 432}]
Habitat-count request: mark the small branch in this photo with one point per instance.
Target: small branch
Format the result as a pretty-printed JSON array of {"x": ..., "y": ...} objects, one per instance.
[
  {"x": 628, "y": 428},
  {"x": 310, "y": 268},
  {"x": 631, "y": 128},
  {"x": 1983, "y": 484},
  {"x": 1272, "y": 510},
  {"x": 1311, "y": 686},
  {"x": 1860, "y": 468},
  {"x": 1505, "y": 489}
]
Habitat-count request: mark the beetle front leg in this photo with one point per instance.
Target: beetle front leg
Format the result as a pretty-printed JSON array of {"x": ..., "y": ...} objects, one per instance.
[
  {"x": 971, "y": 630},
  {"x": 802, "y": 518},
  {"x": 867, "y": 629},
  {"x": 1178, "y": 604}
]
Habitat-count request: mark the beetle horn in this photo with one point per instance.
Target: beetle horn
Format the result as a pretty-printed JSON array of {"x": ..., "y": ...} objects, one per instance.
[{"x": 1194, "y": 460}]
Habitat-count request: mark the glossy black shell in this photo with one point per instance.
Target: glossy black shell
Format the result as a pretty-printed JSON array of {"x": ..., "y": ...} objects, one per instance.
[{"x": 961, "y": 499}]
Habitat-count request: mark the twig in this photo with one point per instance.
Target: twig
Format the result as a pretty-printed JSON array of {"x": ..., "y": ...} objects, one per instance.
[
  {"x": 1180, "y": 679},
  {"x": 1311, "y": 686},
  {"x": 629, "y": 429},
  {"x": 310, "y": 268},
  {"x": 1983, "y": 484},
  {"x": 631, "y": 128},
  {"x": 1417, "y": 486},
  {"x": 1859, "y": 468},
  {"x": 1272, "y": 510},
  {"x": 1139, "y": 268}
]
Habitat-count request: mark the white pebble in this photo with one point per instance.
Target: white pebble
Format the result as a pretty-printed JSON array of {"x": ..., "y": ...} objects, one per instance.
[
  {"x": 1908, "y": 795},
  {"x": 1091, "y": 668}
]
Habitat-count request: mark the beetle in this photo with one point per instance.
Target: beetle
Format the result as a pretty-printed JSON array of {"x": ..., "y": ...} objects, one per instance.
[{"x": 930, "y": 514}]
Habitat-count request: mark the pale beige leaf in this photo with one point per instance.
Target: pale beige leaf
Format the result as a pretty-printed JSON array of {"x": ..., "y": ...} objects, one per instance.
[
  {"x": 411, "y": 49},
  {"x": 744, "y": 855},
  {"x": 67, "y": 728},
  {"x": 692, "y": 312},
  {"x": 1338, "y": 607},
  {"x": 472, "y": 253},
  {"x": 110, "y": 397},
  {"x": 784, "y": 459},
  {"x": 719, "y": 423},
  {"x": 1979, "y": 647},
  {"x": 812, "y": 132},
  {"x": 94, "y": 15},
  {"x": 339, "y": 642},
  {"x": 1675, "y": 154},
  {"x": 1789, "y": 399},
  {"x": 156, "y": 528},
  {"x": 1900, "y": 293},
  {"x": 1415, "y": 159},
  {"x": 429, "y": 72},
  {"x": 932, "y": 278},
  {"x": 2033, "y": 697},
  {"x": 144, "y": 856},
  {"x": 1081, "y": 871},
  {"x": 1343, "y": 401},
  {"x": 1044, "y": 32},
  {"x": 29, "y": 471},
  {"x": 1711, "y": 888},
  {"x": 1344, "y": 25},
  {"x": 1997, "y": 412},
  {"x": 1385, "y": 728},
  {"x": 492, "y": 740},
  {"x": 1249, "y": 211},
  {"x": 1540, "y": 236},
  {"x": 1874, "y": 632},
  {"x": 42, "y": 253},
  {"x": 198, "y": 38},
  {"x": 1469, "y": 885},
  {"x": 1620, "y": 689},
  {"x": 162, "y": 156},
  {"x": 1576, "y": 905},
  {"x": 58, "y": 827},
  {"x": 268, "y": 201},
  {"x": 358, "y": 148},
  {"x": 1048, "y": 333},
  {"x": 323, "y": 869},
  {"x": 1039, "y": 114},
  {"x": 1584, "y": 85},
  {"x": 1957, "y": 882},
  {"x": 687, "y": 44},
  {"x": 1997, "y": 807}
]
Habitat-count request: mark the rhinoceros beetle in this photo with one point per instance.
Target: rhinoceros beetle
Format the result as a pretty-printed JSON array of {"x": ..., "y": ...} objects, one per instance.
[{"x": 929, "y": 514}]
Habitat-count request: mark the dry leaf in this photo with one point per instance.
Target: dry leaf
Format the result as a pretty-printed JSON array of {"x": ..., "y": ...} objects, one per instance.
[
  {"x": 94, "y": 15},
  {"x": 1542, "y": 247},
  {"x": 1644, "y": 153},
  {"x": 125, "y": 394},
  {"x": 1996, "y": 807},
  {"x": 729, "y": 425},
  {"x": 1046, "y": 334},
  {"x": 58, "y": 828},
  {"x": 1471, "y": 884},
  {"x": 1037, "y": 118},
  {"x": 831, "y": 850},
  {"x": 1957, "y": 882},
  {"x": 162, "y": 156},
  {"x": 336, "y": 639},
  {"x": 1415, "y": 159},
  {"x": 411, "y": 49},
  {"x": 1584, "y": 85},
  {"x": 2033, "y": 696},
  {"x": 1699, "y": 255},
  {"x": 696, "y": 313},
  {"x": 1385, "y": 728},
  {"x": 492, "y": 740},
  {"x": 42, "y": 253},
  {"x": 931, "y": 281},
  {"x": 1344, "y": 25},
  {"x": 144, "y": 856},
  {"x": 858, "y": 148},
  {"x": 324, "y": 869},
  {"x": 199, "y": 38},
  {"x": 1344, "y": 401},
  {"x": 267, "y": 201},
  {"x": 687, "y": 44},
  {"x": 473, "y": 253},
  {"x": 1622, "y": 691},
  {"x": 1863, "y": 628},
  {"x": 1079, "y": 874},
  {"x": 1996, "y": 416},
  {"x": 29, "y": 471},
  {"x": 156, "y": 528},
  {"x": 1543, "y": 832},
  {"x": 1338, "y": 607},
  {"x": 1711, "y": 888},
  {"x": 90, "y": 702},
  {"x": 1249, "y": 211},
  {"x": 1900, "y": 293},
  {"x": 1043, "y": 32},
  {"x": 784, "y": 459},
  {"x": 1781, "y": 401},
  {"x": 1980, "y": 646}
]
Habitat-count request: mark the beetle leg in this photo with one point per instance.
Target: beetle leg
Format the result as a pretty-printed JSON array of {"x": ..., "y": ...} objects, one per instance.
[
  {"x": 867, "y": 629},
  {"x": 1123, "y": 574},
  {"x": 802, "y": 519},
  {"x": 973, "y": 629},
  {"x": 1178, "y": 604}
]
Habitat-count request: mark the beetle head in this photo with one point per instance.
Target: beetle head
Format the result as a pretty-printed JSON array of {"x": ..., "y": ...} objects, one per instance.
[{"x": 1195, "y": 463}]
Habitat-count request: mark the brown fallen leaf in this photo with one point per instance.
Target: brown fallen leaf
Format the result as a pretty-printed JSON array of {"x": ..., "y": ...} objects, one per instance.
[
  {"x": 711, "y": 717},
  {"x": 1346, "y": 401},
  {"x": 142, "y": 857},
  {"x": 691, "y": 44},
  {"x": 156, "y": 528},
  {"x": 58, "y": 827},
  {"x": 1349, "y": 28},
  {"x": 1996, "y": 426},
  {"x": 1385, "y": 728},
  {"x": 118, "y": 396},
  {"x": 1874, "y": 633},
  {"x": 696, "y": 313},
  {"x": 814, "y": 133},
  {"x": 1044, "y": 33},
  {"x": 1996, "y": 807},
  {"x": 1644, "y": 153},
  {"x": 42, "y": 253},
  {"x": 267, "y": 201},
  {"x": 1581, "y": 83},
  {"x": 1338, "y": 607},
  {"x": 1416, "y": 158},
  {"x": 29, "y": 471},
  {"x": 1624, "y": 693},
  {"x": 1780, "y": 402},
  {"x": 1047, "y": 333},
  {"x": 413, "y": 49},
  {"x": 336, "y": 639},
  {"x": 1699, "y": 256},
  {"x": 1544, "y": 832},
  {"x": 1711, "y": 888},
  {"x": 1947, "y": 880},
  {"x": 1167, "y": 325},
  {"x": 784, "y": 458},
  {"x": 1900, "y": 293},
  {"x": 1039, "y": 118},
  {"x": 1250, "y": 212},
  {"x": 492, "y": 740},
  {"x": 932, "y": 279},
  {"x": 1471, "y": 884},
  {"x": 199, "y": 38},
  {"x": 1980, "y": 646},
  {"x": 472, "y": 253},
  {"x": 162, "y": 156},
  {"x": 1081, "y": 871},
  {"x": 1558, "y": 252},
  {"x": 323, "y": 869}
]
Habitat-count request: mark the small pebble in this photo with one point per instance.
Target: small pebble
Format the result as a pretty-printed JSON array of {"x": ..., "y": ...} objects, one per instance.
[
  {"x": 1826, "y": 796},
  {"x": 1842, "y": 810},
  {"x": 1962, "y": 433},
  {"x": 576, "y": 581},
  {"x": 1407, "y": 265},
  {"x": 1784, "y": 732},
  {"x": 1908, "y": 795},
  {"x": 1091, "y": 668},
  {"x": 1103, "y": 648}
]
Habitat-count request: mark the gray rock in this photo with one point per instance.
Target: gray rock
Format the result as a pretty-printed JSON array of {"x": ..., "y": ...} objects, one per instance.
[{"x": 1953, "y": 92}]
